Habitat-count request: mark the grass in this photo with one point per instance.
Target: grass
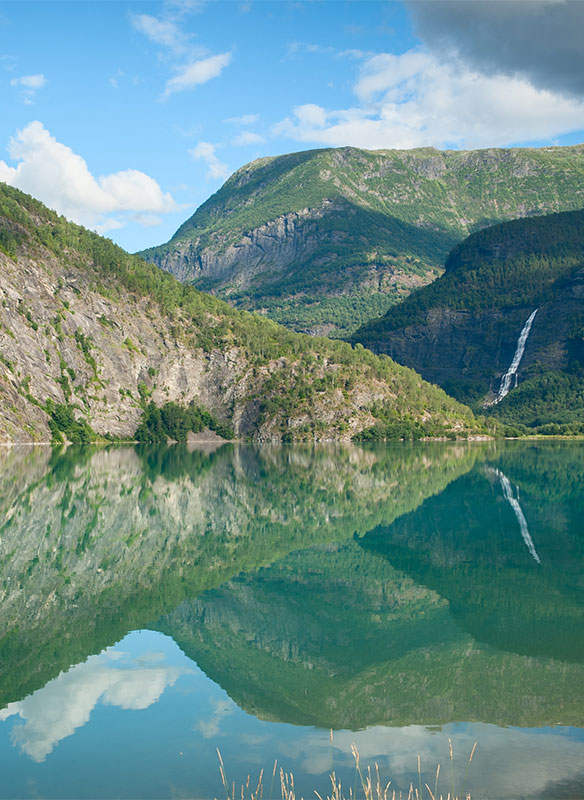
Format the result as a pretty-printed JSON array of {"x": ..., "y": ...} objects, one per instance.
[{"x": 368, "y": 785}]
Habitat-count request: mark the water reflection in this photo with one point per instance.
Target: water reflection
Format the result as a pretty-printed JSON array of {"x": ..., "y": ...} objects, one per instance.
[
  {"x": 97, "y": 543},
  {"x": 376, "y": 591},
  {"x": 64, "y": 704}
]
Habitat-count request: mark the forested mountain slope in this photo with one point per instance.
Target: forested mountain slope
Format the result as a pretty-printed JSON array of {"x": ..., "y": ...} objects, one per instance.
[
  {"x": 463, "y": 331},
  {"x": 325, "y": 240},
  {"x": 90, "y": 336}
]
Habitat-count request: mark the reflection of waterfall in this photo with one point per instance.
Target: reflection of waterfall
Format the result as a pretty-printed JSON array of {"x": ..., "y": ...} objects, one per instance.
[
  {"x": 514, "y": 503},
  {"x": 511, "y": 373}
]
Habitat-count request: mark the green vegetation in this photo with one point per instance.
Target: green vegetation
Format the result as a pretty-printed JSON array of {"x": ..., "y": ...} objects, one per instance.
[
  {"x": 515, "y": 264},
  {"x": 314, "y": 226},
  {"x": 62, "y": 420},
  {"x": 292, "y": 385},
  {"x": 473, "y": 314},
  {"x": 550, "y": 403},
  {"x": 333, "y": 315},
  {"x": 173, "y": 421}
]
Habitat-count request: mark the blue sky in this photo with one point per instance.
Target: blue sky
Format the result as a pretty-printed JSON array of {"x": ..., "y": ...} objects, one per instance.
[{"x": 125, "y": 116}]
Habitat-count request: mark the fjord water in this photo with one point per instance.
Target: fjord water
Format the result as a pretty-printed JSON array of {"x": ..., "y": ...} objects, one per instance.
[{"x": 158, "y": 603}]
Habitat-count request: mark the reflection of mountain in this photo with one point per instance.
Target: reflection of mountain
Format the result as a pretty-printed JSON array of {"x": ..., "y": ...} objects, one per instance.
[
  {"x": 98, "y": 542},
  {"x": 468, "y": 545},
  {"x": 455, "y": 621}
]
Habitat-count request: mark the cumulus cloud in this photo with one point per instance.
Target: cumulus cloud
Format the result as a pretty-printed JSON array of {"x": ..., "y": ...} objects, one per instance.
[
  {"x": 52, "y": 172},
  {"x": 205, "y": 151},
  {"x": 416, "y": 99},
  {"x": 30, "y": 81},
  {"x": 197, "y": 73},
  {"x": 29, "y": 84},
  {"x": 65, "y": 704},
  {"x": 539, "y": 40}
]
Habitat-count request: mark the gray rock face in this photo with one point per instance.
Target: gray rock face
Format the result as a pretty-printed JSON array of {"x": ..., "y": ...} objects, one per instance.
[
  {"x": 133, "y": 347},
  {"x": 85, "y": 326},
  {"x": 270, "y": 248}
]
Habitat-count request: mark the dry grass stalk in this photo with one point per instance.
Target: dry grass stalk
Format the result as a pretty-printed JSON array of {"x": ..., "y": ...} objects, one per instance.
[{"x": 371, "y": 785}]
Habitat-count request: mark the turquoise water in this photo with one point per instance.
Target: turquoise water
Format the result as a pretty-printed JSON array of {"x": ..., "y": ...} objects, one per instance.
[{"x": 158, "y": 604}]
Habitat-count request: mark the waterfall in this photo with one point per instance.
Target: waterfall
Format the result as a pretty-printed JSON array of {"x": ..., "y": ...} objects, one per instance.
[
  {"x": 514, "y": 503},
  {"x": 511, "y": 373}
]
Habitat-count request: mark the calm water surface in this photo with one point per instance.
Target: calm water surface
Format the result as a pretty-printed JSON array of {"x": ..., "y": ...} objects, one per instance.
[{"x": 157, "y": 604}]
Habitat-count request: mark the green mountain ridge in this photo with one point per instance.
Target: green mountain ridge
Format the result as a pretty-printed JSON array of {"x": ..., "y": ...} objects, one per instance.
[
  {"x": 325, "y": 240},
  {"x": 462, "y": 331},
  {"x": 90, "y": 335}
]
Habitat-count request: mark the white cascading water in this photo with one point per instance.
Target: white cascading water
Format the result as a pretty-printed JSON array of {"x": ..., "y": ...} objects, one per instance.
[
  {"x": 511, "y": 373},
  {"x": 514, "y": 503}
]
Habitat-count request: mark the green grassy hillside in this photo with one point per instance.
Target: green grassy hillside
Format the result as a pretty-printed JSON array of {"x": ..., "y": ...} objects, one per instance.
[{"x": 324, "y": 240}]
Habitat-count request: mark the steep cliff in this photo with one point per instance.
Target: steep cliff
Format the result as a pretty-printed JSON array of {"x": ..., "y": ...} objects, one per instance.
[
  {"x": 325, "y": 240},
  {"x": 90, "y": 332},
  {"x": 464, "y": 330}
]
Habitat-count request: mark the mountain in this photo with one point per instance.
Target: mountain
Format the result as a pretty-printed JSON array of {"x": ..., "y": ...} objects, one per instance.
[
  {"x": 94, "y": 340},
  {"x": 325, "y": 240},
  {"x": 464, "y": 330}
]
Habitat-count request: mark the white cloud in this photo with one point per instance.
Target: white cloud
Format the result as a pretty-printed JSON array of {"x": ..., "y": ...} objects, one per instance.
[
  {"x": 197, "y": 73},
  {"x": 65, "y": 703},
  {"x": 244, "y": 119},
  {"x": 30, "y": 84},
  {"x": 164, "y": 32},
  {"x": 186, "y": 6},
  {"x": 415, "y": 100},
  {"x": 311, "y": 115},
  {"x": 248, "y": 137},
  {"x": 205, "y": 151},
  {"x": 30, "y": 81},
  {"x": 193, "y": 65},
  {"x": 52, "y": 172}
]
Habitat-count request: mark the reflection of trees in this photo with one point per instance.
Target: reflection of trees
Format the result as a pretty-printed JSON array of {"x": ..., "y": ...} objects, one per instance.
[
  {"x": 441, "y": 616},
  {"x": 100, "y": 541},
  {"x": 466, "y": 544}
]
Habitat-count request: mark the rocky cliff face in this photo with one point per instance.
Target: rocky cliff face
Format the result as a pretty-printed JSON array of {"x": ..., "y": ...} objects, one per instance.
[
  {"x": 85, "y": 325},
  {"x": 326, "y": 239}
]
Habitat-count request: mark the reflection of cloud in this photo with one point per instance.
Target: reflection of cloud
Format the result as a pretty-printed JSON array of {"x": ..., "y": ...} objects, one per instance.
[
  {"x": 65, "y": 704},
  {"x": 210, "y": 727},
  {"x": 509, "y": 762}
]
